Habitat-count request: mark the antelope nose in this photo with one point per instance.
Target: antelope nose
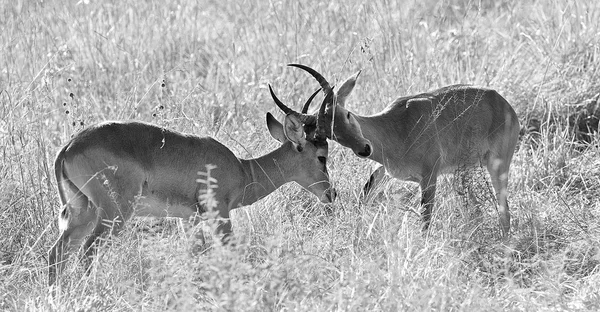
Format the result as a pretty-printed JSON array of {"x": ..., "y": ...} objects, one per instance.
[{"x": 366, "y": 152}]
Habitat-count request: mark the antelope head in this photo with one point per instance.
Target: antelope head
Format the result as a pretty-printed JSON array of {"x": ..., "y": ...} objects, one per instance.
[
  {"x": 315, "y": 127},
  {"x": 294, "y": 131},
  {"x": 335, "y": 121}
]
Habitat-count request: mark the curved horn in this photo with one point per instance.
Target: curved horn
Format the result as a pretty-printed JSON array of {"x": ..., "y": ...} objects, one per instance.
[
  {"x": 307, "y": 104},
  {"x": 322, "y": 81},
  {"x": 304, "y": 118},
  {"x": 323, "y": 130},
  {"x": 280, "y": 104}
]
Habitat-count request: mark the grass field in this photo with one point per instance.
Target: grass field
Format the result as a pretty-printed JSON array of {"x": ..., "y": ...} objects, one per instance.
[{"x": 203, "y": 67}]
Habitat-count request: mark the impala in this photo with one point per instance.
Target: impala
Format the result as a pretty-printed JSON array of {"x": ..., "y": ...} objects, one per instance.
[
  {"x": 114, "y": 170},
  {"x": 418, "y": 137}
]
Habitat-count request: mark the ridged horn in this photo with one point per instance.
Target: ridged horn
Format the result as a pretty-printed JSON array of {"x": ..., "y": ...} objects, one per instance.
[
  {"x": 304, "y": 118},
  {"x": 322, "y": 81},
  {"x": 322, "y": 132},
  {"x": 307, "y": 104}
]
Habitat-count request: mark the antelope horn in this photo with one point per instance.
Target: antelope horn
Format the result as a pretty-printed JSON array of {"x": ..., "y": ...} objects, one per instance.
[
  {"x": 322, "y": 133},
  {"x": 304, "y": 118},
  {"x": 307, "y": 104},
  {"x": 322, "y": 81}
]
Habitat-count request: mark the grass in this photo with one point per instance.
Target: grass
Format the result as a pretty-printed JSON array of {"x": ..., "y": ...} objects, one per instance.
[{"x": 204, "y": 68}]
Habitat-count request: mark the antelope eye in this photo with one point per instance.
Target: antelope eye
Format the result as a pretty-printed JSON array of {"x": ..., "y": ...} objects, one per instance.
[
  {"x": 322, "y": 159},
  {"x": 348, "y": 116}
]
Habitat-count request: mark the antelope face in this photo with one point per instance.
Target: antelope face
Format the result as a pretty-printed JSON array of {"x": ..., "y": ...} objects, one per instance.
[
  {"x": 310, "y": 170},
  {"x": 306, "y": 154},
  {"x": 347, "y": 131}
]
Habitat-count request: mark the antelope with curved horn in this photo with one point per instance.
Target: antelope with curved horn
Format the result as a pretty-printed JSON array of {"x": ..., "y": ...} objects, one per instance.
[
  {"x": 418, "y": 137},
  {"x": 111, "y": 171}
]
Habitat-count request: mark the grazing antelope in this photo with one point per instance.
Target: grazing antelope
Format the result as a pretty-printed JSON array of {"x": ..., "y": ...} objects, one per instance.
[
  {"x": 114, "y": 170},
  {"x": 418, "y": 137}
]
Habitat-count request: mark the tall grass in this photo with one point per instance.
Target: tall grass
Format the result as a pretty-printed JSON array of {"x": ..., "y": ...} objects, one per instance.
[{"x": 203, "y": 67}]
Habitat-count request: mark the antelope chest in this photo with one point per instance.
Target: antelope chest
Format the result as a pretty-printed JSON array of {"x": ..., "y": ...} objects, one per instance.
[{"x": 404, "y": 173}]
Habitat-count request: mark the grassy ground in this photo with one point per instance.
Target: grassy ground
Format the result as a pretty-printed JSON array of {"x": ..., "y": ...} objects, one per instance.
[{"x": 203, "y": 68}]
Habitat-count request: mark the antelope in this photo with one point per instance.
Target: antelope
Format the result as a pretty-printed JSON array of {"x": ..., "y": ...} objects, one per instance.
[
  {"x": 114, "y": 170},
  {"x": 418, "y": 137}
]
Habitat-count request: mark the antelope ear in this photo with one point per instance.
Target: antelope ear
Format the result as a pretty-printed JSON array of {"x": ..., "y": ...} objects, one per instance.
[
  {"x": 275, "y": 128},
  {"x": 294, "y": 131},
  {"x": 346, "y": 89}
]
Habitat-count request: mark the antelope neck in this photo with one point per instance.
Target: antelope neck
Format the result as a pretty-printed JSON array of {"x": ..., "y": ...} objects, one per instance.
[{"x": 263, "y": 175}]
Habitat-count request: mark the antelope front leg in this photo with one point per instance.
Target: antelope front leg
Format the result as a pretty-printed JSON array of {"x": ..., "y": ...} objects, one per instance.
[
  {"x": 199, "y": 241},
  {"x": 374, "y": 180},
  {"x": 224, "y": 230},
  {"x": 428, "y": 187}
]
